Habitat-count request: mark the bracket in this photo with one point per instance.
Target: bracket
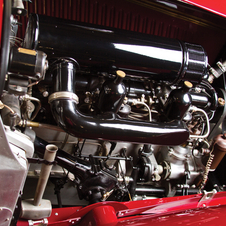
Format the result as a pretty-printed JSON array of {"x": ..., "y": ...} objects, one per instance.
[{"x": 207, "y": 197}]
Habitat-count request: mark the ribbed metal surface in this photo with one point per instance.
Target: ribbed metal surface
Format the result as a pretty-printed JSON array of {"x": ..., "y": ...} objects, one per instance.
[
  {"x": 122, "y": 15},
  {"x": 144, "y": 16}
]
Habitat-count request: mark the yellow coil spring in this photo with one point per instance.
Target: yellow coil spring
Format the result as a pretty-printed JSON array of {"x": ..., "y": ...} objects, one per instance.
[{"x": 207, "y": 169}]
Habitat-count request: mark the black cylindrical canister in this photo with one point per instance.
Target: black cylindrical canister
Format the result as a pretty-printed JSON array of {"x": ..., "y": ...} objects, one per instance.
[
  {"x": 112, "y": 94},
  {"x": 98, "y": 49},
  {"x": 27, "y": 62},
  {"x": 178, "y": 102}
]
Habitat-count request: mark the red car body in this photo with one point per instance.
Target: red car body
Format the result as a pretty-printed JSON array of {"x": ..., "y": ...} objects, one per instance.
[{"x": 189, "y": 210}]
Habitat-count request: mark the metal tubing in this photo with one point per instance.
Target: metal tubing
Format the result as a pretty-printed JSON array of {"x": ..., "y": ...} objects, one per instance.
[
  {"x": 106, "y": 126},
  {"x": 75, "y": 165},
  {"x": 49, "y": 156},
  {"x": 111, "y": 127}
]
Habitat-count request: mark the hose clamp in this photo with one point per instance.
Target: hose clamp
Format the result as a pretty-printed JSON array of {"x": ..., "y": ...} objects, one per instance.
[{"x": 64, "y": 95}]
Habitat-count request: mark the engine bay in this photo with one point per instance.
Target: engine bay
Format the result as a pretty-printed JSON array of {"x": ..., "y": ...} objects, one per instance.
[{"x": 126, "y": 115}]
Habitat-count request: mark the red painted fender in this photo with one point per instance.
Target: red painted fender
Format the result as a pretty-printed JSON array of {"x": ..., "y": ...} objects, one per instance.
[
  {"x": 208, "y": 209},
  {"x": 1, "y": 19},
  {"x": 217, "y": 7}
]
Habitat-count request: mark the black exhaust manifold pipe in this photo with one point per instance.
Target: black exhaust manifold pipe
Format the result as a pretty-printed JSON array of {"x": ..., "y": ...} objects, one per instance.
[{"x": 107, "y": 126}]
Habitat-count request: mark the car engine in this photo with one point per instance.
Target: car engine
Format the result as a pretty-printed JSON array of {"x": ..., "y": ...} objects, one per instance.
[{"x": 128, "y": 116}]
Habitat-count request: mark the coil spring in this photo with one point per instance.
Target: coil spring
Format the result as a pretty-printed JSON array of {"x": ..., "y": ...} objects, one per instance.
[{"x": 207, "y": 169}]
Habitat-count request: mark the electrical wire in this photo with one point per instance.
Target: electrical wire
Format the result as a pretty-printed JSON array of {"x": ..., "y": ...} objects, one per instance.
[
  {"x": 27, "y": 97},
  {"x": 195, "y": 109},
  {"x": 6, "y": 106},
  {"x": 137, "y": 116},
  {"x": 148, "y": 108}
]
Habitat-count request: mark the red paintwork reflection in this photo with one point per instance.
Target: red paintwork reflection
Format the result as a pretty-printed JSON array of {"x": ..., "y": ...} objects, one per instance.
[
  {"x": 182, "y": 210},
  {"x": 218, "y": 7},
  {"x": 1, "y": 15},
  {"x": 209, "y": 217}
]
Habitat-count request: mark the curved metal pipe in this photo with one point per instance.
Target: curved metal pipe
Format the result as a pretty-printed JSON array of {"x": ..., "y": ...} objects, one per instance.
[
  {"x": 110, "y": 127},
  {"x": 106, "y": 126}
]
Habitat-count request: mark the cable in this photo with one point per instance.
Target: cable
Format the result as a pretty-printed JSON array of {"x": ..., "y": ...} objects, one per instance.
[
  {"x": 6, "y": 106},
  {"x": 135, "y": 102},
  {"x": 193, "y": 108},
  {"x": 27, "y": 97}
]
